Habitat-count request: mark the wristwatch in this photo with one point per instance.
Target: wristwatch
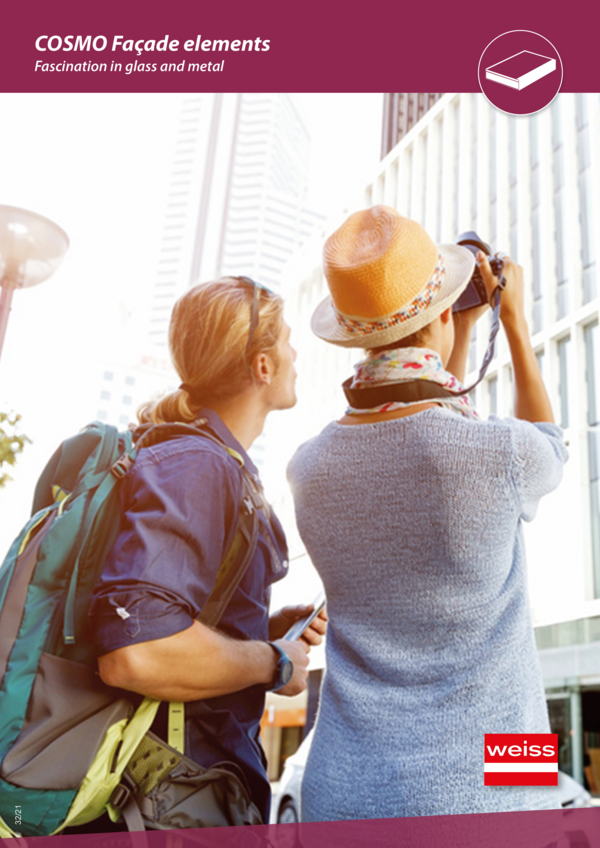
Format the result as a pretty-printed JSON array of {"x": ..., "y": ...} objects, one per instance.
[{"x": 284, "y": 669}]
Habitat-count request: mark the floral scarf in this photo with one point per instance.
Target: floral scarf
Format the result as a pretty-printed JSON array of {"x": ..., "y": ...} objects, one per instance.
[{"x": 404, "y": 364}]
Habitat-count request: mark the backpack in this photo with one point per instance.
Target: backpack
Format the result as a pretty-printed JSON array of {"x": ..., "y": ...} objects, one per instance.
[{"x": 65, "y": 737}]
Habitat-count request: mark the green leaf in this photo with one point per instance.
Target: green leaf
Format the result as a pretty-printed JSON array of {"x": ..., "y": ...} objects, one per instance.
[{"x": 12, "y": 443}]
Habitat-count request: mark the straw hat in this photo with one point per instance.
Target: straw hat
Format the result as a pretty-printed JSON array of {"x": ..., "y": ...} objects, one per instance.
[{"x": 387, "y": 279}]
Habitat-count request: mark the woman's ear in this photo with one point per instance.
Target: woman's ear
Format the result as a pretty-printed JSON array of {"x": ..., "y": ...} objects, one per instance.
[{"x": 446, "y": 315}]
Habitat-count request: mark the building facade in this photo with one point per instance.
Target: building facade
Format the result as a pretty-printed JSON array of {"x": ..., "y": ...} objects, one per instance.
[{"x": 400, "y": 113}]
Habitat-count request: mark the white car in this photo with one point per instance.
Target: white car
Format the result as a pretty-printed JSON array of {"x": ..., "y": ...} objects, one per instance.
[{"x": 285, "y": 806}]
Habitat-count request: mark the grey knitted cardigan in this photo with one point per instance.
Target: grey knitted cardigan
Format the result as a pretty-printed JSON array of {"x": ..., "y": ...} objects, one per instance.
[{"x": 415, "y": 528}]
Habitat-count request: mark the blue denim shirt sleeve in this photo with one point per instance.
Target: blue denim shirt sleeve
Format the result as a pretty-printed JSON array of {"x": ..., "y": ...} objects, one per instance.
[{"x": 180, "y": 504}]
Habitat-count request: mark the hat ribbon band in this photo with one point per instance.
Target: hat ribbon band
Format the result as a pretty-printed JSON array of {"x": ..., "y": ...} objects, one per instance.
[{"x": 420, "y": 303}]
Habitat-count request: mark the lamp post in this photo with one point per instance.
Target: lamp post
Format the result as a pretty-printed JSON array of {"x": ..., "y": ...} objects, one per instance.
[{"x": 31, "y": 249}]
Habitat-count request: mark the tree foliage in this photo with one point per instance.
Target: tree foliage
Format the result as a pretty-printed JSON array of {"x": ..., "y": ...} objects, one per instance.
[{"x": 12, "y": 442}]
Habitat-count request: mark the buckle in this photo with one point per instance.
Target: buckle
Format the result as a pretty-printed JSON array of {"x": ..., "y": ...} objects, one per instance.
[
  {"x": 121, "y": 466},
  {"x": 120, "y": 796}
]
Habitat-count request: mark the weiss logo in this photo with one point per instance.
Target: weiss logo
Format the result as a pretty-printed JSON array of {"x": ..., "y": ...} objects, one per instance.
[
  {"x": 521, "y": 759},
  {"x": 516, "y": 750}
]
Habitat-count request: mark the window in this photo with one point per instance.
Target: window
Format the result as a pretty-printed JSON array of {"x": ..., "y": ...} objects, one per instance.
[
  {"x": 534, "y": 183},
  {"x": 456, "y": 158},
  {"x": 592, "y": 374},
  {"x": 538, "y": 289},
  {"x": 541, "y": 361},
  {"x": 560, "y": 240},
  {"x": 512, "y": 144},
  {"x": 560, "y": 226},
  {"x": 586, "y": 206},
  {"x": 563, "y": 348},
  {"x": 472, "y": 365},
  {"x": 557, "y": 124},
  {"x": 493, "y": 395},
  {"x": 492, "y": 177},
  {"x": 533, "y": 145},
  {"x": 474, "y": 160},
  {"x": 510, "y": 391},
  {"x": 588, "y": 244},
  {"x": 126, "y": 400},
  {"x": 108, "y": 375},
  {"x": 104, "y": 395}
]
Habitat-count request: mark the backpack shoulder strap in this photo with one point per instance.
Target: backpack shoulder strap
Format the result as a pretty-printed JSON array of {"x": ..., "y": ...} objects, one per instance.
[
  {"x": 84, "y": 457},
  {"x": 231, "y": 571},
  {"x": 152, "y": 434},
  {"x": 232, "y": 567},
  {"x": 237, "y": 557}
]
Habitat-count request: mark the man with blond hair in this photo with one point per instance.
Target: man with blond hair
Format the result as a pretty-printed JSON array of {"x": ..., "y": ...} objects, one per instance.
[{"x": 181, "y": 500}]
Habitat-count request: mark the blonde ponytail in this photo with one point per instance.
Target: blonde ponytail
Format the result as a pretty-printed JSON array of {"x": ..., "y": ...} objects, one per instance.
[{"x": 208, "y": 338}]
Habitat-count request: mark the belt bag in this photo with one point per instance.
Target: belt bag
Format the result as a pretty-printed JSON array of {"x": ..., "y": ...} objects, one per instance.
[{"x": 171, "y": 791}]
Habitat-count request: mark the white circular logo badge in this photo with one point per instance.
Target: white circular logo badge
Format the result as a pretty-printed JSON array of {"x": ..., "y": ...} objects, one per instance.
[{"x": 520, "y": 72}]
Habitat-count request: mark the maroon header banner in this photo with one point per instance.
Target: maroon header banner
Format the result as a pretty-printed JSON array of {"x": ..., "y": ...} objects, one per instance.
[{"x": 189, "y": 46}]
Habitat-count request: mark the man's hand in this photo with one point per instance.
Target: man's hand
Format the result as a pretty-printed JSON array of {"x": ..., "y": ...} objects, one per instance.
[
  {"x": 281, "y": 621},
  {"x": 298, "y": 653},
  {"x": 200, "y": 662}
]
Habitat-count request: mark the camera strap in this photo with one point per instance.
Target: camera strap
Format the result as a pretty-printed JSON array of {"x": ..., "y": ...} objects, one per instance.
[{"x": 411, "y": 391}]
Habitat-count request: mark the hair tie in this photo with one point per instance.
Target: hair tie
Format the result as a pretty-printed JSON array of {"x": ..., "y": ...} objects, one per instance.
[{"x": 185, "y": 387}]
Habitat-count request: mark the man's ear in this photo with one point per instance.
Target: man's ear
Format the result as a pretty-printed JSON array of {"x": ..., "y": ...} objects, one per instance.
[{"x": 262, "y": 369}]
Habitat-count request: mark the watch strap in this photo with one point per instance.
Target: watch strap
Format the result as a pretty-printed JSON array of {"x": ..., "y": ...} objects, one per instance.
[{"x": 283, "y": 661}]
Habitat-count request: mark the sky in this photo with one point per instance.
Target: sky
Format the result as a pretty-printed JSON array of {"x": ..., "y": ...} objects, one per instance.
[{"x": 97, "y": 165}]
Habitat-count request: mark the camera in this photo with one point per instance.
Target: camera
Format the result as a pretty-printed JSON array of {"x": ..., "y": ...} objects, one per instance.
[{"x": 475, "y": 293}]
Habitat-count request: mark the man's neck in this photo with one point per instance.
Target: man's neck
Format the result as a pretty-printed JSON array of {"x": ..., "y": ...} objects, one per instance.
[{"x": 244, "y": 415}]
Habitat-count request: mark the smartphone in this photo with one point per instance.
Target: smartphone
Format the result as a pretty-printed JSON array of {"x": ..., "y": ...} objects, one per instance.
[{"x": 298, "y": 628}]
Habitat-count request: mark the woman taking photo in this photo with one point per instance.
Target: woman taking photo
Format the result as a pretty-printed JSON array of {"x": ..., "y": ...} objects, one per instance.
[{"x": 412, "y": 512}]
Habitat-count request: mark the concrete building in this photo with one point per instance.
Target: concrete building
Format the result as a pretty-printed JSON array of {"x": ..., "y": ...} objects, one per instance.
[
  {"x": 529, "y": 186},
  {"x": 400, "y": 113}
]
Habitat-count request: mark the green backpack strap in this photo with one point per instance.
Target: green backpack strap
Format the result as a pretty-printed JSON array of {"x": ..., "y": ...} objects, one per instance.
[
  {"x": 104, "y": 481},
  {"x": 83, "y": 455}
]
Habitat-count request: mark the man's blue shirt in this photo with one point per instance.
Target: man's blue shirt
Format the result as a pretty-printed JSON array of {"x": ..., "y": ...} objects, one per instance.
[{"x": 180, "y": 506}]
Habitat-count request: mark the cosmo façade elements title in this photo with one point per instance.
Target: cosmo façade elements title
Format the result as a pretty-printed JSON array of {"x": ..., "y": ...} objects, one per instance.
[{"x": 99, "y": 43}]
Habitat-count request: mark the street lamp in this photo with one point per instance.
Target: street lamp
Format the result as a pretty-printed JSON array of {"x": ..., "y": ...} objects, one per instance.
[{"x": 31, "y": 249}]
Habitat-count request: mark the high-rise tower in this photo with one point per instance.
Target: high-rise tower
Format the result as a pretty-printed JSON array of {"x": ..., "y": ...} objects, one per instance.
[{"x": 234, "y": 203}]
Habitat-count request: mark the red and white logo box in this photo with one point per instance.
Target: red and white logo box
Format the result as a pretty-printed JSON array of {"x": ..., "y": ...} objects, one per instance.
[{"x": 521, "y": 759}]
